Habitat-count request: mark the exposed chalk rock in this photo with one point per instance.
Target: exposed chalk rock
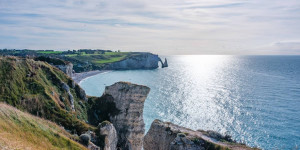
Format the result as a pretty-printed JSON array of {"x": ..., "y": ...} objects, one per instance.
[
  {"x": 129, "y": 99},
  {"x": 142, "y": 61},
  {"x": 168, "y": 136},
  {"x": 165, "y": 63},
  {"x": 108, "y": 130},
  {"x": 71, "y": 98},
  {"x": 67, "y": 68},
  {"x": 92, "y": 146}
]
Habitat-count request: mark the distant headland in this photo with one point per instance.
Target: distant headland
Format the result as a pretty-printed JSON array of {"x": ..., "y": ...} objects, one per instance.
[{"x": 83, "y": 63}]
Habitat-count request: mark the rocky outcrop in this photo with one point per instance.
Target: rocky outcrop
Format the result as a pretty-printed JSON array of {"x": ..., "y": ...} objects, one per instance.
[
  {"x": 141, "y": 61},
  {"x": 80, "y": 92},
  {"x": 92, "y": 146},
  {"x": 129, "y": 99},
  {"x": 165, "y": 64},
  {"x": 87, "y": 140},
  {"x": 168, "y": 136},
  {"x": 71, "y": 98},
  {"x": 109, "y": 132},
  {"x": 67, "y": 68}
]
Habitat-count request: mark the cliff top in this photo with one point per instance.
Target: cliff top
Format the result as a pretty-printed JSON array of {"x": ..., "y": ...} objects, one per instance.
[{"x": 83, "y": 60}]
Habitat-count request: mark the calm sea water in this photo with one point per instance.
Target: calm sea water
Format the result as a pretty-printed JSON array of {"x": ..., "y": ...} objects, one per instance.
[{"x": 255, "y": 99}]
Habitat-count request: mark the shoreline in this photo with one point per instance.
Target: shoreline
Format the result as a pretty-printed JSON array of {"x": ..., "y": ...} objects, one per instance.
[{"x": 78, "y": 77}]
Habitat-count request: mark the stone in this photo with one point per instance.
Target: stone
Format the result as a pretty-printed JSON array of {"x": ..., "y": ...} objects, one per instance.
[
  {"x": 73, "y": 84},
  {"x": 81, "y": 93},
  {"x": 108, "y": 130},
  {"x": 85, "y": 139},
  {"x": 168, "y": 136},
  {"x": 71, "y": 97},
  {"x": 67, "y": 68},
  {"x": 65, "y": 86},
  {"x": 92, "y": 146},
  {"x": 129, "y": 123}
]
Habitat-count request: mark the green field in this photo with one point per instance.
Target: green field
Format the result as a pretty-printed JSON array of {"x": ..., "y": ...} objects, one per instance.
[
  {"x": 49, "y": 52},
  {"x": 99, "y": 58}
]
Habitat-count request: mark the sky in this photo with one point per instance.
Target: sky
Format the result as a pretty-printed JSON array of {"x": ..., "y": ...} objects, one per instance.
[{"x": 167, "y": 27}]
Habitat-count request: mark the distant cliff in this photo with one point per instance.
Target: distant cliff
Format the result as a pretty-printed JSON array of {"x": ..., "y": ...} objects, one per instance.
[{"x": 140, "y": 61}]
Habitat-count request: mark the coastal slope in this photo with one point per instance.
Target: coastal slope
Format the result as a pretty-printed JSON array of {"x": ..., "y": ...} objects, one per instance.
[
  {"x": 43, "y": 90},
  {"x": 19, "y": 130}
]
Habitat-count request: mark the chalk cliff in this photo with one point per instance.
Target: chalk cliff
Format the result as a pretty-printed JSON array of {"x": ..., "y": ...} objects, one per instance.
[
  {"x": 67, "y": 68},
  {"x": 168, "y": 136},
  {"x": 129, "y": 99},
  {"x": 141, "y": 61},
  {"x": 108, "y": 130}
]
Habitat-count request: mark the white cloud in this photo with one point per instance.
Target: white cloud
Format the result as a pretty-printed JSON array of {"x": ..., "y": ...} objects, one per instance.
[{"x": 164, "y": 27}]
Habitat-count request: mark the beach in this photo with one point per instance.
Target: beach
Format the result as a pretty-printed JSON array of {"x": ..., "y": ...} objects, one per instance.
[{"x": 77, "y": 77}]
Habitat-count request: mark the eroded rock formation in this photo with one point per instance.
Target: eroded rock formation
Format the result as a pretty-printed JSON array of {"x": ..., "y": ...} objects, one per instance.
[
  {"x": 67, "y": 68},
  {"x": 108, "y": 130},
  {"x": 164, "y": 64},
  {"x": 71, "y": 98},
  {"x": 129, "y": 99},
  {"x": 168, "y": 136}
]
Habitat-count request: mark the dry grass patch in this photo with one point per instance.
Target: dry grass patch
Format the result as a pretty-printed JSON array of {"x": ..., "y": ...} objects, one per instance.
[{"x": 19, "y": 130}]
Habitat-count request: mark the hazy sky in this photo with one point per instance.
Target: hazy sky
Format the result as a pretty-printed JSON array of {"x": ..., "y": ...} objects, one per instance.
[{"x": 159, "y": 26}]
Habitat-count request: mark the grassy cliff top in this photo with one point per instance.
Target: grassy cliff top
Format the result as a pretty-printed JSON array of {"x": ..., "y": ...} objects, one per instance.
[
  {"x": 19, "y": 130},
  {"x": 83, "y": 60},
  {"x": 36, "y": 87}
]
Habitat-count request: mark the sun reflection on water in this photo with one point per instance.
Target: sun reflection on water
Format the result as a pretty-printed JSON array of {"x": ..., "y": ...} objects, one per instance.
[{"x": 228, "y": 94}]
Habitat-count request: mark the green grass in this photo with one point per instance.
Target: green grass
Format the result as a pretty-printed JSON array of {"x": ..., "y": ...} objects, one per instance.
[
  {"x": 110, "y": 60},
  {"x": 49, "y": 52},
  {"x": 35, "y": 87},
  {"x": 97, "y": 59},
  {"x": 19, "y": 130}
]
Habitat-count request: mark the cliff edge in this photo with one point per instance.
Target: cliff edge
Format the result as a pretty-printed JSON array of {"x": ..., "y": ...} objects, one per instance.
[
  {"x": 168, "y": 136},
  {"x": 129, "y": 99},
  {"x": 139, "y": 61}
]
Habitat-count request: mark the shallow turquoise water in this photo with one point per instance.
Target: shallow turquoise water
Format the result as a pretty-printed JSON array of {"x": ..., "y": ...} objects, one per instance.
[{"x": 255, "y": 99}]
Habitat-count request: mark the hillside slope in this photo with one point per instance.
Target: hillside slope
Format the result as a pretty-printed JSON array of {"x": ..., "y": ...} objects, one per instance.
[
  {"x": 19, "y": 130},
  {"x": 43, "y": 90}
]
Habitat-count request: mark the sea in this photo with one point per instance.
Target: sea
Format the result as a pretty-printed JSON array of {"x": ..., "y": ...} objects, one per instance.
[{"x": 255, "y": 99}]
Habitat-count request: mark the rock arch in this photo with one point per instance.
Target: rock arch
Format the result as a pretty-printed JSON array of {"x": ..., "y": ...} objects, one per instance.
[{"x": 163, "y": 64}]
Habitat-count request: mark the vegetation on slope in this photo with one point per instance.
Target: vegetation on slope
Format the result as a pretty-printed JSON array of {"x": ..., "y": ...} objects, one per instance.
[
  {"x": 20, "y": 130},
  {"x": 83, "y": 60},
  {"x": 36, "y": 87}
]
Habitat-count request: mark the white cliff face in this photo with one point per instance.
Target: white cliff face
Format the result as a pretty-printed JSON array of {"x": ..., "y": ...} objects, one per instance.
[
  {"x": 67, "y": 69},
  {"x": 168, "y": 136},
  {"x": 108, "y": 130},
  {"x": 143, "y": 61},
  {"x": 71, "y": 98},
  {"x": 129, "y": 99}
]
